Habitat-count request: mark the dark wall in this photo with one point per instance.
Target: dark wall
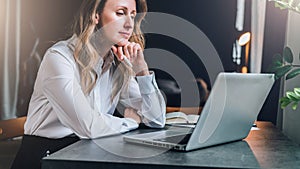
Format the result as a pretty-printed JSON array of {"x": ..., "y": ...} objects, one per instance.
[
  {"x": 274, "y": 40},
  {"x": 216, "y": 18}
]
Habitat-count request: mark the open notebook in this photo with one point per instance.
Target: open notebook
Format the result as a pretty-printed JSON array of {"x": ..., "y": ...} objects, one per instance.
[{"x": 181, "y": 118}]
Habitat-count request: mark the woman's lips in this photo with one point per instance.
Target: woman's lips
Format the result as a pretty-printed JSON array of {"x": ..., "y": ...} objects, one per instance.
[{"x": 125, "y": 34}]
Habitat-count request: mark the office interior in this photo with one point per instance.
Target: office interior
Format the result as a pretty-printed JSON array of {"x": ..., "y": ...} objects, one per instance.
[{"x": 30, "y": 27}]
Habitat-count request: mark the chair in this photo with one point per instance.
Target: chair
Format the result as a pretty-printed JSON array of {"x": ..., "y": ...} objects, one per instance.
[{"x": 12, "y": 128}]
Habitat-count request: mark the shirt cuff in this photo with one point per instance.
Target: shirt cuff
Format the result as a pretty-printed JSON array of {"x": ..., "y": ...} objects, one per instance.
[
  {"x": 147, "y": 83},
  {"x": 129, "y": 124}
]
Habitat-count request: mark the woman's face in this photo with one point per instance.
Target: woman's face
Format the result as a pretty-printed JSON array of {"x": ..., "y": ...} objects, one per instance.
[{"x": 117, "y": 20}]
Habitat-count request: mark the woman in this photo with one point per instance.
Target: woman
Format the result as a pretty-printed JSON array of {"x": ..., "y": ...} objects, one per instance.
[{"x": 82, "y": 80}]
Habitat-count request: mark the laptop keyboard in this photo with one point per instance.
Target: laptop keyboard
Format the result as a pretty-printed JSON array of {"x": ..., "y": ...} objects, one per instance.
[{"x": 178, "y": 139}]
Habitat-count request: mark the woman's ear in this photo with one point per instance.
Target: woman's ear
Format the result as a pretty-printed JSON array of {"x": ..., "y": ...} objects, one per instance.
[{"x": 97, "y": 18}]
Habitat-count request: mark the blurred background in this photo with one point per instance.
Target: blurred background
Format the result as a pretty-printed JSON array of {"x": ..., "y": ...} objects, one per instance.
[{"x": 30, "y": 27}]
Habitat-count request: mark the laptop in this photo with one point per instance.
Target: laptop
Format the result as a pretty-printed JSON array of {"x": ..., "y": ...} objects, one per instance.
[{"x": 228, "y": 115}]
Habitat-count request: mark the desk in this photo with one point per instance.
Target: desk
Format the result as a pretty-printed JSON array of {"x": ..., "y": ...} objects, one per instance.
[{"x": 263, "y": 148}]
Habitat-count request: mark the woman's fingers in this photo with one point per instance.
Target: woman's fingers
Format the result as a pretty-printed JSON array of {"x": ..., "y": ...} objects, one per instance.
[
  {"x": 114, "y": 49},
  {"x": 130, "y": 50},
  {"x": 118, "y": 51},
  {"x": 132, "y": 54},
  {"x": 136, "y": 49},
  {"x": 133, "y": 49},
  {"x": 126, "y": 51}
]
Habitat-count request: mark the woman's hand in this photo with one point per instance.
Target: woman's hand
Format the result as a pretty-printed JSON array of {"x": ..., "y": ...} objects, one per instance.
[
  {"x": 134, "y": 53},
  {"x": 131, "y": 113}
]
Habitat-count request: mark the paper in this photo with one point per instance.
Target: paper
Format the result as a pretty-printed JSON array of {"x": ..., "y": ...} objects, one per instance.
[{"x": 180, "y": 117}]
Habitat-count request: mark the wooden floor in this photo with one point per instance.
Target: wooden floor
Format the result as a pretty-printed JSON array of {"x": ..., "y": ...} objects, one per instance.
[{"x": 8, "y": 150}]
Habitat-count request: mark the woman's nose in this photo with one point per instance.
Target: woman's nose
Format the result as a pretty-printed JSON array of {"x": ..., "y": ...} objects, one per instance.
[{"x": 129, "y": 22}]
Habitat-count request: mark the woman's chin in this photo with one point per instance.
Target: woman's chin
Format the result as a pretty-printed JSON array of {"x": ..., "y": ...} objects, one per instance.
[{"x": 122, "y": 42}]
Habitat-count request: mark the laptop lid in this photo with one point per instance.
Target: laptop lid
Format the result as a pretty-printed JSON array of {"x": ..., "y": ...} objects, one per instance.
[{"x": 231, "y": 109}]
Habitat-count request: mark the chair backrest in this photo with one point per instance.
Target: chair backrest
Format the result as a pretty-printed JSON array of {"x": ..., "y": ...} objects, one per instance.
[{"x": 12, "y": 128}]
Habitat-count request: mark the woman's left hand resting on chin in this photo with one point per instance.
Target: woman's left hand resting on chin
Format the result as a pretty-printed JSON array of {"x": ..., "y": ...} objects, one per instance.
[{"x": 134, "y": 53}]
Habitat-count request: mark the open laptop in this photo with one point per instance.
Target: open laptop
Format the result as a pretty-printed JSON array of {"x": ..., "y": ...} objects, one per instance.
[{"x": 228, "y": 115}]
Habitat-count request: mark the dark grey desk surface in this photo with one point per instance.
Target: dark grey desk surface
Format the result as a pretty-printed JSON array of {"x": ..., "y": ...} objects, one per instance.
[{"x": 263, "y": 148}]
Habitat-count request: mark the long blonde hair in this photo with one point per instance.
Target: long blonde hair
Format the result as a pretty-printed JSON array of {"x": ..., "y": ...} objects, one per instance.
[{"x": 85, "y": 54}]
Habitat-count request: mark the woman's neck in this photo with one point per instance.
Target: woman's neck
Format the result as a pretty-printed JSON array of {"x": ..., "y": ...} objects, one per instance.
[
  {"x": 103, "y": 49},
  {"x": 101, "y": 45}
]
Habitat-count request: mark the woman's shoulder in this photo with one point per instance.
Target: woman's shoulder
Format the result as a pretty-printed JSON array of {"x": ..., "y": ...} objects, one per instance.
[{"x": 61, "y": 49}]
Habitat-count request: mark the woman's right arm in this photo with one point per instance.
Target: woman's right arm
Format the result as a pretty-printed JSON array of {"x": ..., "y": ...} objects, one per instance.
[{"x": 64, "y": 93}]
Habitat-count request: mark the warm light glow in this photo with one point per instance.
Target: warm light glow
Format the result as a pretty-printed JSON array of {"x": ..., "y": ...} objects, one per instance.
[
  {"x": 244, "y": 69},
  {"x": 244, "y": 39}
]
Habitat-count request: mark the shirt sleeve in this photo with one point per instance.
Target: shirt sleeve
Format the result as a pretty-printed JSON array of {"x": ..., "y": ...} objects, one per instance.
[
  {"x": 144, "y": 95},
  {"x": 72, "y": 108}
]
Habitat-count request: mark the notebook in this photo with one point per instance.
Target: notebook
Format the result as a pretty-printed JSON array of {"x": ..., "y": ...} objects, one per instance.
[{"x": 228, "y": 115}]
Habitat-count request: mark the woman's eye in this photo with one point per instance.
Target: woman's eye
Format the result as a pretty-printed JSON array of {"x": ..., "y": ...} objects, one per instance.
[{"x": 120, "y": 13}]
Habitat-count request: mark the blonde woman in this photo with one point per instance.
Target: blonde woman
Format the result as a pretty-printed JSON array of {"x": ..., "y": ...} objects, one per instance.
[{"x": 82, "y": 80}]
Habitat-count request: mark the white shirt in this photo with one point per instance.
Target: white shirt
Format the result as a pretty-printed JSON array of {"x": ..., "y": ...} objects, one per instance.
[{"x": 58, "y": 106}]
